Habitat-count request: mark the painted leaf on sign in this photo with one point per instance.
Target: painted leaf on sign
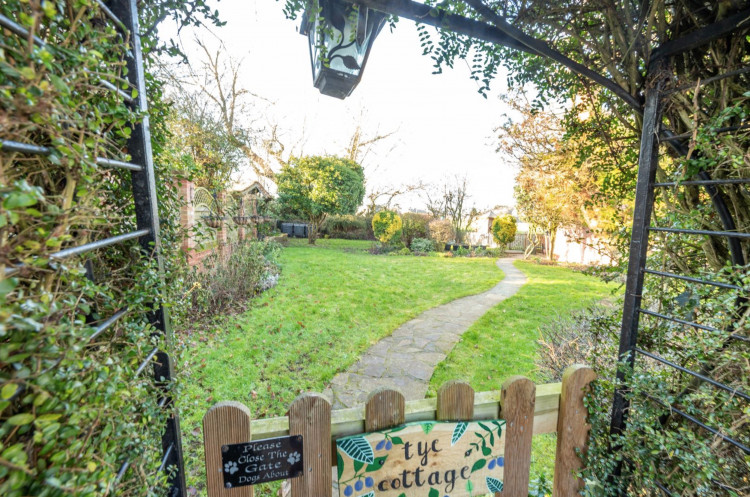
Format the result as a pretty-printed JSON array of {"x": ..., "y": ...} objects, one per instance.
[
  {"x": 358, "y": 449},
  {"x": 494, "y": 485},
  {"x": 458, "y": 432}
]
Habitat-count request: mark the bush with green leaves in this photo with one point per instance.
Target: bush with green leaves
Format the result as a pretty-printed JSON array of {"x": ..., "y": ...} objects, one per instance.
[
  {"x": 252, "y": 267},
  {"x": 504, "y": 229},
  {"x": 315, "y": 187},
  {"x": 422, "y": 246},
  {"x": 348, "y": 227},
  {"x": 676, "y": 452},
  {"x": 442, "y": 232},
  {"x": 386, "y": 225},
  {"x": 401, "y": 251},
  {"x": 414, "y": 225},
  {"x": 73, "y": 406}
]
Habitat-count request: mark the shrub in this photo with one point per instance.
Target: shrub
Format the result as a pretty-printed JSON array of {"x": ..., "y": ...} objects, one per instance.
[
  {"x": 386, "y": 225},
  {"x": 315, "y": 187},
  {"x": 414, "y": 226},
  {"x": 586, "y": 337},
  {"x": 267, "y": 228},
  {"x": 74, "y": 405},
  {"x": 462, "y": 252},
  {"x": 401, "y": 251},
  {"x": 422, "y": 246},
  {"x": 494, "y": 252},
  {"x": 442, "y": 232},
  {"x": 348, "y": 227},
  {"x": 504, "y": 229},
  {"x": 346, "y": 223},
  {"x": 251, "y": 268}
]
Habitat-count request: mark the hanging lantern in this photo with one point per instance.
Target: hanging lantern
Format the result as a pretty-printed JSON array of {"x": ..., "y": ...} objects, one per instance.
[{"x": 340, "y": 36}]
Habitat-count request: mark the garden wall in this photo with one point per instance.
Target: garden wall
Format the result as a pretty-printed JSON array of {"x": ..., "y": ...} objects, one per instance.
[{"x": 202, "y": 240}]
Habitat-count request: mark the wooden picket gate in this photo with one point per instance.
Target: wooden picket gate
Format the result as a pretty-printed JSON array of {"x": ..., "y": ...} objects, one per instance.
[{"x": 528, "y": 410}]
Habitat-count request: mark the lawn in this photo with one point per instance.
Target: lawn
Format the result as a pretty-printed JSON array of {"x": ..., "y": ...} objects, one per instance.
[
  {"x": 332, "y": 302},
  {"x": 502, "y": 343}
]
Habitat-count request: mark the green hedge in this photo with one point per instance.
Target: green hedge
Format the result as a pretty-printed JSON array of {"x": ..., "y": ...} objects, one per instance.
[{"x": 72, "y": 409}]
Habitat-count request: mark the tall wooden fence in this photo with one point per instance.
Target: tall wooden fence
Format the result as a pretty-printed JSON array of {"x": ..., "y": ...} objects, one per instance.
[{"x": 528, "y": 410}]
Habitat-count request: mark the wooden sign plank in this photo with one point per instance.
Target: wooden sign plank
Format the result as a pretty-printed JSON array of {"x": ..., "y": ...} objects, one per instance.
[{"x": 426, "y": 459}]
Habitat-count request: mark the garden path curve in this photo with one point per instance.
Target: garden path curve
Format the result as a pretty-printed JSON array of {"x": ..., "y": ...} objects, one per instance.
[{"x": 406, "y": 359}]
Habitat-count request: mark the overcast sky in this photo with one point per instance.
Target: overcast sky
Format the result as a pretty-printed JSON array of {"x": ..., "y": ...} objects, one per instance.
[{"x": 442, "y": 125}]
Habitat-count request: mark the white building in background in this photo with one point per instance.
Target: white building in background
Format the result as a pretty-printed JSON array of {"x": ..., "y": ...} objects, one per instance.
[
  {"x": 480, "y": 230},
  {"x": 584, "y": 248}
]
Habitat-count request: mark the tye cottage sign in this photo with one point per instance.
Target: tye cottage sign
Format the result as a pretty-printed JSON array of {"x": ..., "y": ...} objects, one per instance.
[{"x": 428, "y": 459}]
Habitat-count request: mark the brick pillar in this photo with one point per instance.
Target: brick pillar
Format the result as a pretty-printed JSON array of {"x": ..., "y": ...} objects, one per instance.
[
  {"x": 187, "y": 216},
  {"x": 221, "y": 233}
]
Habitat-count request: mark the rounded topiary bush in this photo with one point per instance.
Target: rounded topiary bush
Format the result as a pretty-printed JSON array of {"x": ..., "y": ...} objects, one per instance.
[
  {"x": 504, "y": 229},
  {"x": 385, "y": 225}
]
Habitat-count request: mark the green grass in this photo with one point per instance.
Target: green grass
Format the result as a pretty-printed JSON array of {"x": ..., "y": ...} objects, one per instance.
[
  {"x": 503, "y": 342},
  {"x": 333, "y": 301}
]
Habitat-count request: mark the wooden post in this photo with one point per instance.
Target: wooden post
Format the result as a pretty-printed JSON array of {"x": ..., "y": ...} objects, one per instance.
[
  {"x": 572, "y": 430},
  {"x": 225, "y": 423},
  {"x": 384, "y": 409},
  {"x": 517, "y": 408},
  {"x": 310, "y": 416},
  {"x": 455, "y": 402}
]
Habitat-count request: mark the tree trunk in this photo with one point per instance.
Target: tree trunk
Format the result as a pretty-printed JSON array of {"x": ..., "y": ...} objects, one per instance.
[
  {"x": 552, "y": 237},
  {"x": 312, "y": 229},
  {"x": 312, "y": 232}
]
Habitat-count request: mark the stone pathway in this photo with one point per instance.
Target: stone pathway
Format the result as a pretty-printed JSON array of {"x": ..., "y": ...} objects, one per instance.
[{"x": 406, "y": 359}]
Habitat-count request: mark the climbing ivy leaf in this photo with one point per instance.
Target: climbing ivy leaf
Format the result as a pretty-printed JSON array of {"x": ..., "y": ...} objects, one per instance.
[{"x": 433, "y": 493}]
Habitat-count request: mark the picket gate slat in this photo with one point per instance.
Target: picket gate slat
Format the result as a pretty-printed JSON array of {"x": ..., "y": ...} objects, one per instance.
[
  {"x": 572, "y": 431},
  {"x": 310, "y": 416}
]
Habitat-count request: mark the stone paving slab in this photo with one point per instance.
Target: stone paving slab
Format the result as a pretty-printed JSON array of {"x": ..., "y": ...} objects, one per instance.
[{"x": 406, "y": 359}]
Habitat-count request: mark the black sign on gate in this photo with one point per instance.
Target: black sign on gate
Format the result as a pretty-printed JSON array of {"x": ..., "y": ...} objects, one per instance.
[{"x": 261, "y": 461}]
